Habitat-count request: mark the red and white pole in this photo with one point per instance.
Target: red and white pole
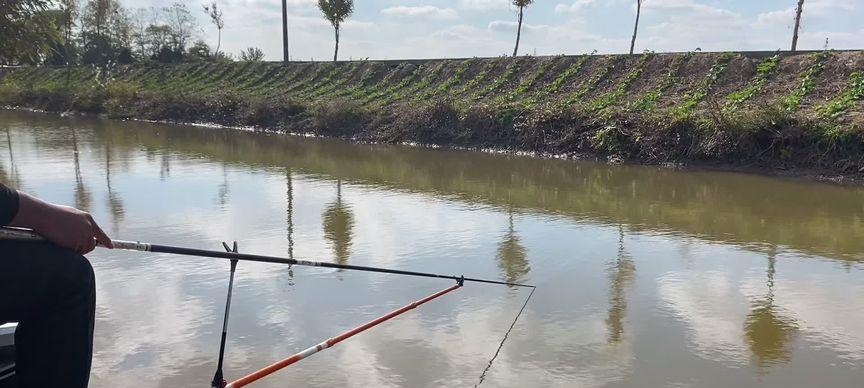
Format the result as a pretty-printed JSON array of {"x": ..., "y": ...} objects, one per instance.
[{"x": 257, "y": 375}]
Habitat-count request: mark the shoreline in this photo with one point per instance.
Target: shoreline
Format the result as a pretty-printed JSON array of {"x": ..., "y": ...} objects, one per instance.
[
  {"x": 785, "y": 115},
  {"x": 807, "y": 175}
]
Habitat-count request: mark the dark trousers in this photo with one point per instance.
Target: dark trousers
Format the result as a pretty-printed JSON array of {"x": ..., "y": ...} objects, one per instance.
[{"x": 51, "y": 293}]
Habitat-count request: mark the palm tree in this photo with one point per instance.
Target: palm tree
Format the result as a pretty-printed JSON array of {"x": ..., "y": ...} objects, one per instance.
[
  {"x": 521, "y": 4},
  {"x": 636, "y": 27},
  {"x": 797, "y": 24},
  {"x": 336, "y": 12}
]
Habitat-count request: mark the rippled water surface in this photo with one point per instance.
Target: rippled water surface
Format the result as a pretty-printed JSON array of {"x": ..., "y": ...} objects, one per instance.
[{"x": 647, "y": 277}]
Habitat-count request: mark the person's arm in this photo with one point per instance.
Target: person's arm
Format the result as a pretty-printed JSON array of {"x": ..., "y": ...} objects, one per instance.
[
  {"x": 65, "y": 226},
  {"x": 8, "y": 204}
]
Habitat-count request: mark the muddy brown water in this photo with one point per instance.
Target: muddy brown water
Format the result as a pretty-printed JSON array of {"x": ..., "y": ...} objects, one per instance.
[{"x": 647, "y": 277}]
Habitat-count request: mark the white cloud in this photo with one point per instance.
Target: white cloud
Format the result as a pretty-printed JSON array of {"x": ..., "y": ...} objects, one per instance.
[
  {"x": 576, "y": 7},
  {"x": 509, "y": 26},
  {"x": 484, "y": 4},
  {"x": 458, "y": 32},
  {"x": 424, "y": 11},
  {"x": 813, "y": 10}
]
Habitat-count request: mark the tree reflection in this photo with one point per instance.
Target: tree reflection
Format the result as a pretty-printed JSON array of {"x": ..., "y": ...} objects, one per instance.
[
  {"x": 82, "y": 195},
  {"x": 224, "y": 188},
  {"x": 289, "y": 182},
  {"x": 165, "y": 165},
  {"x": 11, "y": 177},
  {"x": 115, "y": 202},
  {"x": 338, "y": 225},
  {"x": 767, "y": 332},
  {"x": 622, "y": 273},
  {"x": 512, "y": 258}
]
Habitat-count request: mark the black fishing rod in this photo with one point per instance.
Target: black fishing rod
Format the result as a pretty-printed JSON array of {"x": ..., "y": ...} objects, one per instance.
[
  {"x": 234, "y": 256},
  {"x": 22, "y": 234}
]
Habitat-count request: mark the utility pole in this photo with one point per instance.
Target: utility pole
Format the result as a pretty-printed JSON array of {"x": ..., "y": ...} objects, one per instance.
[
  {"x": 285, "y": 57},
  {"x": 797, "y": 25},
  {"x": 636, "y": 27}
]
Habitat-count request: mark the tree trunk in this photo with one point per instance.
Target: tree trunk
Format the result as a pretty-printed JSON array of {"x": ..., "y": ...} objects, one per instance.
[
  {"x": 797, "y": 25},
  {"x": 518, "y": 32},
  {"x": 218, "y": 42},
  {"x": 285, "y": 56},
  {"x": 636, "y": 27},
  {"x": 336, "y": 52}
]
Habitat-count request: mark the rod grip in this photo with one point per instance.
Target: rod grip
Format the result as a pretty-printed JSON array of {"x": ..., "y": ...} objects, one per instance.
[{"x": 18, "y": 234}]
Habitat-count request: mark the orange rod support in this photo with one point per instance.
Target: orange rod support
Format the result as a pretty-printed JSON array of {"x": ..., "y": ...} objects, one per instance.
[{"x": 257, "y": 375}]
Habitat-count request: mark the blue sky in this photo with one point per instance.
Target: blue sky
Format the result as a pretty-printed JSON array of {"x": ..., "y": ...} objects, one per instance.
[{"x": 390, "y": 29}]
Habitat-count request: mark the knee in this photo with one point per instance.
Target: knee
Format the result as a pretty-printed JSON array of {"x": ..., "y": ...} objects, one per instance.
[
  {"x": 81, "y": 276},
  {"x": 72, "y": 273}
]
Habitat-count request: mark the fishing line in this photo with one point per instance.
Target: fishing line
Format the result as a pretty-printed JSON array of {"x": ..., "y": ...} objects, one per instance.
[{"x": 507, "y": 334}]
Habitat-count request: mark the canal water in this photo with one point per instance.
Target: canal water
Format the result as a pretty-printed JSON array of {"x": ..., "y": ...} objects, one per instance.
[{"x": 647, "y": 277}]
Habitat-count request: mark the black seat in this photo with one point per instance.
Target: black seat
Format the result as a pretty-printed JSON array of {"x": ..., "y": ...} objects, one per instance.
[{"x": 7, "y": 356}]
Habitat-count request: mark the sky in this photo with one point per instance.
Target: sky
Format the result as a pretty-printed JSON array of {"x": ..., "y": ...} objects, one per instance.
[{"x": 391, "y": 29}]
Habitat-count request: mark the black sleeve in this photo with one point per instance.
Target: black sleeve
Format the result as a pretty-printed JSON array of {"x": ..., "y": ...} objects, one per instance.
[{"x": 8, "y": 204}]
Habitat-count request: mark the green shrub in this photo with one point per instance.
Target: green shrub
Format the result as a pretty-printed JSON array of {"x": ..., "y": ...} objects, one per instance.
[{"x": 339, "y": 117}]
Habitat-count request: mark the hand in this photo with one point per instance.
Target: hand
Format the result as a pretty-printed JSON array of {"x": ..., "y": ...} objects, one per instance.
[
  {"x": 72, "y": 228},
  {"x": 63, "y": 225}
]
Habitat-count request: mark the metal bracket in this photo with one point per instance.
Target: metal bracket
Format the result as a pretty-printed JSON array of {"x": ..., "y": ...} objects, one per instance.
[{"x": 218, "y": 379}]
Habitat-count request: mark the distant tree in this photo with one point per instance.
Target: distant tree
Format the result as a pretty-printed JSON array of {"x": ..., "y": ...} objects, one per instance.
[
  {"x": 105, "y": 31},
  {"x": 336, "y": 12},
  {"x": 69, "y": 9},
  {"x": 198, "y": 51},
  {"x": 521, "y": 4},
  {"x": 798, "y": 12},
  {"x": 139, "y": 21},
  {"x": 27, "y": 31},
  {"x": 252, "y": 54},
  {"x": 55, "y": 53},
  {"x": 182, "y": 25},
  {"x": 636, "y": 27},
  {"x": 215, "y": 15}
]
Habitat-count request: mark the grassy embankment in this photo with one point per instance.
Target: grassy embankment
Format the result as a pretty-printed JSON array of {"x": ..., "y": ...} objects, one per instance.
[{"x": 779, "y": 112}]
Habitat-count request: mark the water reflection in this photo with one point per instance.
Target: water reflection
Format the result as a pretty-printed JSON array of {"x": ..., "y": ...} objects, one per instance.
[
  {"x": 82, "y": 195},
  {"x": 578, "y": 230},
  {"x": 224, "y": 189},
  {"x": 338, "y": 225},
  {"x": 289, "y": 220},
  {"x": 768, "y": 332},
  {"x": 11, "y": 176},
  {"x": 512, "y": 258},
  {"x": 622, "y": 273},
  {"x": 115, "y": 200}
]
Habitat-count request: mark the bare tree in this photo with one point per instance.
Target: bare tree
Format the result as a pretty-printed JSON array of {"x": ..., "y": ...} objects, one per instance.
[
  {"x": 521, "y": 4},
  {"x": 252, "y": 54},
  {"x": 336, "y": 11},
  {"x": 215, "y": 14},
  {"x": 797, "y": 25},
  {"x": 636, "y": 27},
  {"x": 182, "y": 24}
]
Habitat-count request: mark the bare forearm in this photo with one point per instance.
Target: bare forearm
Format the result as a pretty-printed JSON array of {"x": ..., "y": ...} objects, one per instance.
[
  {"x": 62, "y": 225},
  {"x": 32, "y": 212}
]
